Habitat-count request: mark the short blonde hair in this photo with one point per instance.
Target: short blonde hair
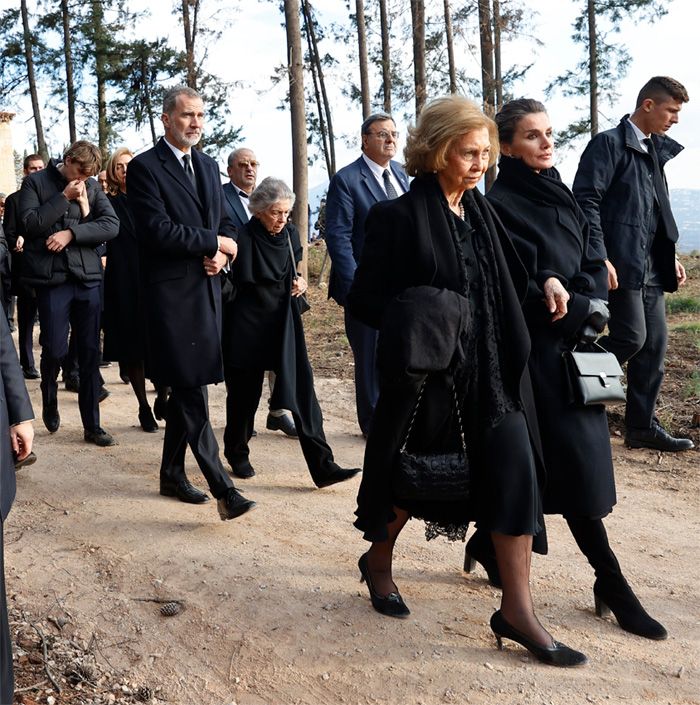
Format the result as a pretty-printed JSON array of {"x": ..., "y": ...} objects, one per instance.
[
  {"x": 439, "y": 125},
  {"x": 111, "y": 169}
]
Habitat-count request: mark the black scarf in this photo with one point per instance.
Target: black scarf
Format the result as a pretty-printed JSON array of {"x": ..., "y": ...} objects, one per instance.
[
  {"x": 262, "y": 257},
  {"x": 485, "y": 378},
  {"x": 545, "y": 186}
]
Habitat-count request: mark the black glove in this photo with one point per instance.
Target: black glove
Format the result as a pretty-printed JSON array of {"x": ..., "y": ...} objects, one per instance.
[{"x": 595, "y": 322}]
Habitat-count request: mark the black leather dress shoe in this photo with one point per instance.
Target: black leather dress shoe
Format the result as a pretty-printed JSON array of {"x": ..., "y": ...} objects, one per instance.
[
  {"x": 102, "y": 394},
  {"x": 99, "y": 437},
  {"x": 72, "y": 384},
  {"x": 337, "y": 475},
  {"x": 243, "y": 470},
  {"x": 185, "y": 492},
  {"x": 51, "y": 418},
  {"x": 657, "y": 438},
  {"x": 233, "y": 504},
  {"x": 30, "y": 373},
  {"x": 282, "y": 423},
  {"x": 148, "y": 423}
]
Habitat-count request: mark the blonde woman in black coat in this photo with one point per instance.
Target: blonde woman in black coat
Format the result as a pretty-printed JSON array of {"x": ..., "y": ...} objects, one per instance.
[
  {"x": 567, "y": 283},
  {"x": 441, "y": 238}
]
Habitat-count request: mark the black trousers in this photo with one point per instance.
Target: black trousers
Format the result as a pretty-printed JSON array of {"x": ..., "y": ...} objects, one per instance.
[
  {"x": 363, "y": 341},
  {"x": 243, "y": 391},
  {"x": 26, "y": 313},
  {"x": 638, "y": 336},
  {"x": 60, "y": 307},
  {"x": 188, "y": 424},
  {"x": 6, "y": 675}
]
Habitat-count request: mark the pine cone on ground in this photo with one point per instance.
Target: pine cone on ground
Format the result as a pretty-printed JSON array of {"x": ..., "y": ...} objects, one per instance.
[{"x": 170, "y": 609}]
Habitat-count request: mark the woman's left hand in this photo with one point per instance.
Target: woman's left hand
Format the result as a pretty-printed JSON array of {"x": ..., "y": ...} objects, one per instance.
[
  {"x": 299, "y": 286},
  {"x": 555, "y": 298}
]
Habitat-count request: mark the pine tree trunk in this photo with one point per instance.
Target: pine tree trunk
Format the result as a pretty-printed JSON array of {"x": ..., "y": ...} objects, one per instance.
[
  {"x": 298, "y": 119},
  {"x": 68, "y": 58},
  {"x": 362, "y": 50},
  {"x": 418, "y": 23},
  {"x": 450, "y": 48},
  {"x": 324, "y": 113},
  {"x": 498, "y": 74},
  {"x": 97, "y": 21},
  {"x": 593, "y": 67},
  {"x": 386, "y": 57},
  {"x": 29, "y": 58},
  {"x": 486, "y": 42},
  {"x": 189, "y": 29}
]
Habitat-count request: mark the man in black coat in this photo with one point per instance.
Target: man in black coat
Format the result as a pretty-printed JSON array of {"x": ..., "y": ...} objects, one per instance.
[
  {"x": 621, "y": 187},
  {"x": 26, "y": 297},
  {"x": 17, "y": 437},
  {"x": 65, "y": 216},
  {"x": 185, "y": 238}
]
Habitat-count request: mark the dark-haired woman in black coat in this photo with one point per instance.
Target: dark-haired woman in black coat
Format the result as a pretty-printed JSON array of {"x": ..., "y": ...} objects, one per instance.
[{"x": 567, "y": 281}]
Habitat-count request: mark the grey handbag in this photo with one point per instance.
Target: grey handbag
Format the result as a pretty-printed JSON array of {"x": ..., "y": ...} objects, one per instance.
[{"x": 594, "y": 377}]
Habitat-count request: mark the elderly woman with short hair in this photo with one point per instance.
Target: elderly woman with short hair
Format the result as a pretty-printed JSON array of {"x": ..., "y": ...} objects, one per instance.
[
  {"x": 262, "y": 330},
  {"x": 434, "y": 279}
]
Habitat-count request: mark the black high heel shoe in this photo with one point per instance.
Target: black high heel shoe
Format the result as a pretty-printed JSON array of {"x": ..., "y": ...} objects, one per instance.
[
  {"x": 627, "y": 610},
  {"x": 480, "y": 551},
  {"x": 148, "y": 423},
  {"x": 555, "y": 655},
  {"x": 392, "y": 605}
]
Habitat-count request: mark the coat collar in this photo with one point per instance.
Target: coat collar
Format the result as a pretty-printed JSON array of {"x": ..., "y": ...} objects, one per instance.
[
  {"x": 666, "y": 148},
  {"x": 170, "y": 164}
]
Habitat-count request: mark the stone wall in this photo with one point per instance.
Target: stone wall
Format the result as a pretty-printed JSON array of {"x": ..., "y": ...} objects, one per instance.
[{"x": 8, "y": 178}]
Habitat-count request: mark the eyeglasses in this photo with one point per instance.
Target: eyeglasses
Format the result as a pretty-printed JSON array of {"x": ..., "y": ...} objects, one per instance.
[
  {"x": 245, "y": 165},
  {"x": 384, "y": 134}
]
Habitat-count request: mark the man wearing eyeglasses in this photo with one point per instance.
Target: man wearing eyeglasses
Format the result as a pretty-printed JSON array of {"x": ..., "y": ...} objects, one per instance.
[{"x": 374, "y": 177}]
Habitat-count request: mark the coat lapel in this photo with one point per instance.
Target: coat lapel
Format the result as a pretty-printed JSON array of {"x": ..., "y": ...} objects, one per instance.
[
  {"x": 370, "y": 182},
  {"x": 400, "y": 175},
  {"x": 235, "y": 202},
  {"x": 175, "y": 169}
]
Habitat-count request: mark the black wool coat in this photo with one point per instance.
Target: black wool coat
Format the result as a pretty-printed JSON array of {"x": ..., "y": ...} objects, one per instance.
[
  {"x": 177, "y": 227},
  {"x": 122, "y": 319},
  {"x": 551, "y": 235},
  {"x": 401, "y": 252}
]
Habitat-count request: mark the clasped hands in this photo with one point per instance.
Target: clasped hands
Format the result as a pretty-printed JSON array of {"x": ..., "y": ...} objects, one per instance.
[
  {"x": 299, "y": 286},
  {"x": 228, "y": 249}
]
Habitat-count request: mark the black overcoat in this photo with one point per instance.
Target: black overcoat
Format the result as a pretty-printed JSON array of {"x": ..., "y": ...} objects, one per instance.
[
  {"x": 402, "y": 249},
  {"x": 551, "y": 235},
  {"x": 122, "y": 319},
  {"x": 176, "y": 228}
]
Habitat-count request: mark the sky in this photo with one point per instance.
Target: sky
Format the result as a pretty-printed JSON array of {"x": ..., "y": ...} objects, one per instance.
[{"x": 254, "y": 44}]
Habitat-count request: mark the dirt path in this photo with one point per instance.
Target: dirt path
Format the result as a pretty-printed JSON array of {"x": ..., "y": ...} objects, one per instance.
[{"x": 274, "y": 612}]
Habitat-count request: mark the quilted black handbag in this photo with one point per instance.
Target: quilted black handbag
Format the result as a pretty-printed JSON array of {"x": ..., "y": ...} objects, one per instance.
[
  {"x": 441, "y": 477},
  {"x": 594, "y": 377}
]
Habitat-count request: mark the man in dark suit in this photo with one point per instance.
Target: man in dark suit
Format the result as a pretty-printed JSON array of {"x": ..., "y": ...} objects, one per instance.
[
  {"x": 26, "y": 298},
  {"x": 242, "y": 171},
  {"x": 621, "y": 187},
  {"x": 17, "y": 437},
  {"x": 185, "y": 238},
  {"x": 351, "y": 193},
  {"x": 65, "y": 216}
]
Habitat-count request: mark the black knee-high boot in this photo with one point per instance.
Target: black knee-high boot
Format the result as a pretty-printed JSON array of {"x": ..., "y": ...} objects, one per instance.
[{"x": 611, "y": 591}]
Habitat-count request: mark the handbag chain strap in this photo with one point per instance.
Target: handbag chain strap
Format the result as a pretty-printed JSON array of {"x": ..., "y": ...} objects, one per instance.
[
  {"x": 415, "y": 413},
  {"x": 291, "y": 254},
  {"x": 595, "y": 344}
]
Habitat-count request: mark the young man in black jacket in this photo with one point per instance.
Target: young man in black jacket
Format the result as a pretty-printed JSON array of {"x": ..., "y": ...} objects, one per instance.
[
  {"x": 621, "y": 187},
  {"x": 66, "y": 216}
]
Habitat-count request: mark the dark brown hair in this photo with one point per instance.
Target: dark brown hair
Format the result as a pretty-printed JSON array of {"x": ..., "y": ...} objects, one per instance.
[
  {"x": 512, "y": 113},
  {"x": 661, "y": 87}
]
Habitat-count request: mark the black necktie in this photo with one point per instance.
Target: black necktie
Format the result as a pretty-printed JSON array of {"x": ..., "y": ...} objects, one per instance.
[
  {"x": 187, "y": 161},
  {"x": 388, "y": 186},
  {"x": 662, "y": 194}
]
